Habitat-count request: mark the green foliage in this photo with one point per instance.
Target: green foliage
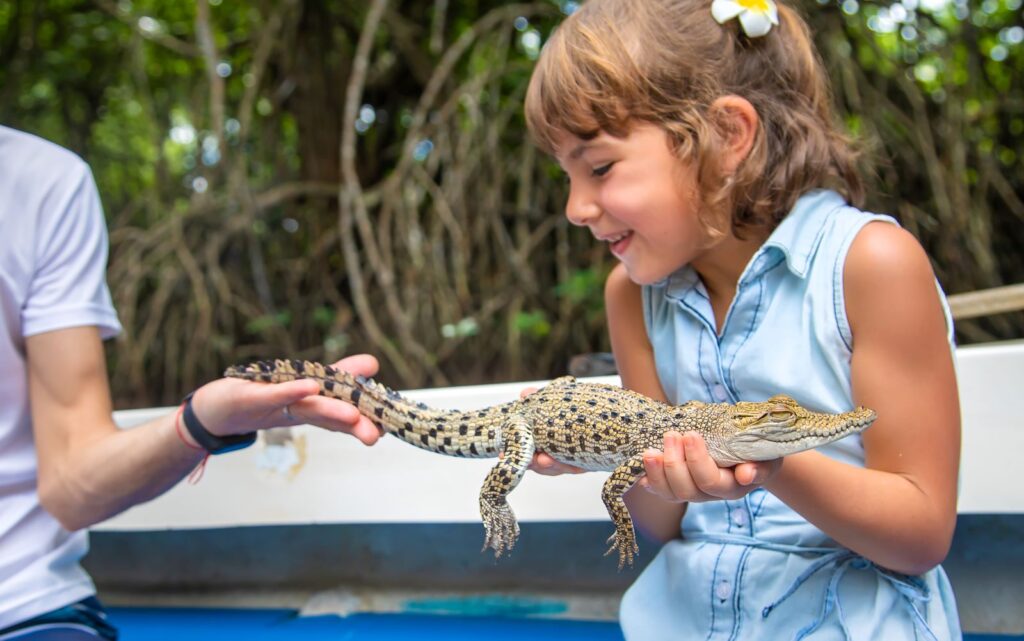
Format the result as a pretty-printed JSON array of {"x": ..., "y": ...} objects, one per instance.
[
  {"x": 583, "y": 286},
  {"x": 533, "y": 323},
  {"x": 585, "y": 290},
  {"x": 262, "y": 324},
  {"x": 462, "y": 329}
]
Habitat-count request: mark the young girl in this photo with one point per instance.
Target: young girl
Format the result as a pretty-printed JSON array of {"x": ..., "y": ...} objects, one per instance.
[{"x": 700, "y": 144}]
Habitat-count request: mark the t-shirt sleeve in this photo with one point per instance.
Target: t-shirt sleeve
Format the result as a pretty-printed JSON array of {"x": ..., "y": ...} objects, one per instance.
[{"x": 69, "y": 287}]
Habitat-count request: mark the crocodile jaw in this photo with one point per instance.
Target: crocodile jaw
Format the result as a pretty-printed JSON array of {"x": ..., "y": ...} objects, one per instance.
[
  {"x": 752, "y": 447},
  {"x": 762, "y": 432}
]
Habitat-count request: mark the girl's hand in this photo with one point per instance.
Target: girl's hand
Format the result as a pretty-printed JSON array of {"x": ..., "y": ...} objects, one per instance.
[
  {"x": 544, "y": 463},
  {"x": 235, "y": 406},
  {"x": 686, "y": 472}
]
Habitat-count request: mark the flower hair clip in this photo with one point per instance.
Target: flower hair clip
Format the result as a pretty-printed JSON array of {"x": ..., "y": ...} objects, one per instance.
[{"x": 756, "y": 16}]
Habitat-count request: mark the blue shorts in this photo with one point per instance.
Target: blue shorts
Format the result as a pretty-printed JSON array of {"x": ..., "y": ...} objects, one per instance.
[{"x": 82, "y": 621}]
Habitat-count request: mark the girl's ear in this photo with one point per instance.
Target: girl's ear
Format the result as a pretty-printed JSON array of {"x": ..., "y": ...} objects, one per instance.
[{"x": 738, "y": 121}]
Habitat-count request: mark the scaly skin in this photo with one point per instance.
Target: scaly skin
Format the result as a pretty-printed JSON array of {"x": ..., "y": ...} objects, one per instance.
[{"x": 590, "y": 425}]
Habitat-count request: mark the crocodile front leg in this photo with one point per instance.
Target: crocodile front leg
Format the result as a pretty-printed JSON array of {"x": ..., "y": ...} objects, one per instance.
[
  {"x": 621, "y": 479},
  {"x": 517, "y": 451}
]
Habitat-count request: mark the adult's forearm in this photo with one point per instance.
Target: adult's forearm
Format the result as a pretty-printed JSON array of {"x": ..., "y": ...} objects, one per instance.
[
  {"x": 883, "y": 516},
  {"x": 114, "y": 471}
]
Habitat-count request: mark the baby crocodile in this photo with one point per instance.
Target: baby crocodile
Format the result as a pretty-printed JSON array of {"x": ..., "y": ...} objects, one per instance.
[{"x": 590, "y": 425}]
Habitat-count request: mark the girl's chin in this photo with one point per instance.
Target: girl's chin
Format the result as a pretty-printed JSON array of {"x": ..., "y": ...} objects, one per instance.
[{"x": 642, "y": 276}]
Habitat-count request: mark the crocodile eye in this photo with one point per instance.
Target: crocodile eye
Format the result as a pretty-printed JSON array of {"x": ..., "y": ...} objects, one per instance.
[{"x": 781, "y": 415}]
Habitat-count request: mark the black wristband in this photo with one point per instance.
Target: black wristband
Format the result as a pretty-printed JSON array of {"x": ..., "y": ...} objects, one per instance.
[{"x": 211, "y": 442}]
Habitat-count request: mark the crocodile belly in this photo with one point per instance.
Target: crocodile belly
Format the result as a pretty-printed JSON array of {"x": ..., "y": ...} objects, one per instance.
[{"x": 589, "y": 461}]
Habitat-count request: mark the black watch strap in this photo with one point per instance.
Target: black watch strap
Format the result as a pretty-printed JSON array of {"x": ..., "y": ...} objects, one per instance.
[{"x": 211, "y": 442}]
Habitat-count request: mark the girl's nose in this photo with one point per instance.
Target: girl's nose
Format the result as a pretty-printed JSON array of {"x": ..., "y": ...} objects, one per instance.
[{"x": 581, "y": 208}]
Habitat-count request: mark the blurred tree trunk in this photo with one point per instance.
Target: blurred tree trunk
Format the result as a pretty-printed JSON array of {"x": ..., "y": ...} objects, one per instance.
[{"x": 318, "y": 70}]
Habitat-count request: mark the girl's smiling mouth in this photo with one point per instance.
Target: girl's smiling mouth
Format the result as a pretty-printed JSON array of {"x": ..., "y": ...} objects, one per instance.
[{"x": 619, "y": 242}]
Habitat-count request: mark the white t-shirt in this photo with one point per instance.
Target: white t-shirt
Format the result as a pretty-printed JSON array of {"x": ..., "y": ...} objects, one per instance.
[{"x": 53, "y": 257}]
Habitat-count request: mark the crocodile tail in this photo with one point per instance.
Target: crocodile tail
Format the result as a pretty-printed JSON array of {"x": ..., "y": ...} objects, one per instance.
[{"x": 471, "y": 434}]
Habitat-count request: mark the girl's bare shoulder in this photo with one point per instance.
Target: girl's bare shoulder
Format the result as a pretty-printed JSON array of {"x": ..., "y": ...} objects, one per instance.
[{"x": 890, "y": 290}]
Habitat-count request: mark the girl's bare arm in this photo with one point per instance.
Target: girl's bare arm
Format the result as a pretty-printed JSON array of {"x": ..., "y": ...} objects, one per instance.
[
  {"x": 654, "y": 516},
  {"x": 900, "y": 510}
]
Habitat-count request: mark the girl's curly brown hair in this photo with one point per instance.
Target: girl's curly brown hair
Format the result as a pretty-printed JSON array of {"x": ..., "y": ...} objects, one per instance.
[{"x": 615, "y": 62}]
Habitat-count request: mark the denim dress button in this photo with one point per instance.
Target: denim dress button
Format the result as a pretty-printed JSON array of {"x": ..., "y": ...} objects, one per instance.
[
  {"x": 723, "y": 590},
  {"x": 739, "y": 517}
]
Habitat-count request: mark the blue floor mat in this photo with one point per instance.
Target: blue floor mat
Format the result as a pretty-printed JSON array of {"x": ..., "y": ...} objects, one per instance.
[
  {"x": 216, "y": 624},
  {"x": 203, "y": 624}
]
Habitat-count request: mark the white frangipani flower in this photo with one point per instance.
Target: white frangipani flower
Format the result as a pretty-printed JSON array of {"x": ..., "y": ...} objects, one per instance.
[{"x": 756, "y": 16}]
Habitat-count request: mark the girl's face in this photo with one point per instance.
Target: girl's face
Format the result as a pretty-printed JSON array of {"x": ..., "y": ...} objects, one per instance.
[{"x": 637, "y": 196}]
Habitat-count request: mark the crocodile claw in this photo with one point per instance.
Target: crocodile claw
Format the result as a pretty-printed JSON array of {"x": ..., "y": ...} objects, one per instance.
[{"x": 625, "y": 542}]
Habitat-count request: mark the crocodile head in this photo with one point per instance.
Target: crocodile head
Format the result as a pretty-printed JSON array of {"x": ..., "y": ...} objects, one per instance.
[{"x": 781, "y": 426}]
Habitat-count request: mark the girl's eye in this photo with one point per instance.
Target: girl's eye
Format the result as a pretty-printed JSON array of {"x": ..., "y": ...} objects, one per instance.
[{"x": 602, "y": 170}]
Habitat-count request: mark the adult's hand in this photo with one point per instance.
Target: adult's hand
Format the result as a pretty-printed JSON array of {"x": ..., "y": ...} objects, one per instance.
[{"x": 235, "y": 406}]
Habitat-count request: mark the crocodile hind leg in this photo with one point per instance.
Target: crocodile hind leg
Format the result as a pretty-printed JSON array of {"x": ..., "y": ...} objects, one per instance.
[
  {"x": 621, "y": 479},
  {"x": 517, "y": 451}
]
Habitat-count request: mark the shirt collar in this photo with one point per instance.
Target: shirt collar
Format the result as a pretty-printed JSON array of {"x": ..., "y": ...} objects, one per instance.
[
  {"x": 799, "y": 233},
  {"x": 796, "y": 239},
  {"x": 681, "y": 282}
]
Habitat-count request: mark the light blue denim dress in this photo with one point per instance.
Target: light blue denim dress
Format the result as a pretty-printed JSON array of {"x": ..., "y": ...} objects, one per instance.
[{"x": 753, "y": 568}]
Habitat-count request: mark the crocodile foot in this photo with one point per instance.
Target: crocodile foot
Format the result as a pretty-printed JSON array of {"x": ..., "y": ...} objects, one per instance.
[
  {"x": 500, "y": 526},
  {"x": 625, "y": 542}
]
